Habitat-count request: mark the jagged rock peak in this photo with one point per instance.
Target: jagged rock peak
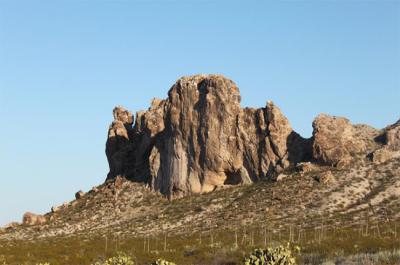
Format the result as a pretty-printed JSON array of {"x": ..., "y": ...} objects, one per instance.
[{"x": 199, "y": 139}]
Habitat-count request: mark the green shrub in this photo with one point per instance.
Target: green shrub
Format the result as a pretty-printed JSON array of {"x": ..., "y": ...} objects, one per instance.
[
  {"x": 120, "y": 259},
  {"x": 162, "y": 262},
  {"x": 271, "y": 256}
]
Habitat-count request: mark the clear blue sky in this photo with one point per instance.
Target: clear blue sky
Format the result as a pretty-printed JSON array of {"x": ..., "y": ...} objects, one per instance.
[{"x": 65, "y": 64}]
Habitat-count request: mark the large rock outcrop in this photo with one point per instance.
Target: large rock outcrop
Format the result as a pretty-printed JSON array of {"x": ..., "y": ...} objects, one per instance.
[
  {"x": 199, "y": 138},
  {"x": 336, "y": 141}
]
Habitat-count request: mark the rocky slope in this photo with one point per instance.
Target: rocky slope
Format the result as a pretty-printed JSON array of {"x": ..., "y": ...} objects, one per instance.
[
  {"x": 199, "y": 140},
  {"x": 305, "y": 199}
]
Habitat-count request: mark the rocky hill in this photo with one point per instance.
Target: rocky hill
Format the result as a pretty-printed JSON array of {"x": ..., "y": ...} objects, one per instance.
[
  {"x": 199, "y": 139},
  {"x": 197, "y": 161}
]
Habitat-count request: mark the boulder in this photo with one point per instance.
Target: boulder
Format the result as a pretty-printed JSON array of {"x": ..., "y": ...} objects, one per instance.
[
  {"x": 199, "y": 139},
  {"x": 335, "y": 141},
  {"x": 33, "y": 219},
  {"x": 79, "y": 195}
]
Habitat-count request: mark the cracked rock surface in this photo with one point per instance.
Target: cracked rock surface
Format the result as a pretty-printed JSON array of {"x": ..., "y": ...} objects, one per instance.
[{"x": 199, "y": 139}]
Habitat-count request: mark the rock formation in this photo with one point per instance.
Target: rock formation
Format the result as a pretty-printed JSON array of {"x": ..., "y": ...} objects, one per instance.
[
  {"x": 336, "y": 141},
  {"x": 118, "y": 139},
  {"x": 199, "y": 138},
  {"x": 33, "y": 219}
]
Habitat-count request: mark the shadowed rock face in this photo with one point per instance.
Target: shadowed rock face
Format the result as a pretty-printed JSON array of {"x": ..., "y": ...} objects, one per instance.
[
  {"x": 119, "y": 135},
  {"x": 199, "y": 138}
]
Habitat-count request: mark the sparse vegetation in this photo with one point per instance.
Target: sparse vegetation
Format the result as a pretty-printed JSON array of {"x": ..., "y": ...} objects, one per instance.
[
  {"x": 327, "y": 242},
  {"x": 355, "y": 217}
]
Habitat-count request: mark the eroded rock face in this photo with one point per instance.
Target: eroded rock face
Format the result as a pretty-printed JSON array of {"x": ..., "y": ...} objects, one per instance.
[
  {"x": 33, "y": 219},
  {"x": 336, "y": 140},
  {"x": 199, "y": 138}
]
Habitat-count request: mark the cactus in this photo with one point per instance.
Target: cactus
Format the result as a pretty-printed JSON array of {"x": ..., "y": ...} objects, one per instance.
[
  {"x": 257, "y": 257},
  {"x": 271, "y": 256}
]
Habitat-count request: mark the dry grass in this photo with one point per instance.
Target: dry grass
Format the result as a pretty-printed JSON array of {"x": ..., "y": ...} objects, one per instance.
[{"x": 321, "y": 243}]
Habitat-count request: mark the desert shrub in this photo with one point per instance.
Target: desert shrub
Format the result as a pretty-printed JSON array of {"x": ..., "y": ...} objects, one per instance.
[
  {"x": 120, "y": 259},
  {"x": 162, "y": 262},
  {"x": 281, "y": 255}
]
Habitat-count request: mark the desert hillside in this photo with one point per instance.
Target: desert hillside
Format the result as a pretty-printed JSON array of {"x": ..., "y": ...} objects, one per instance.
[{"x": 197, "y": 171}]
